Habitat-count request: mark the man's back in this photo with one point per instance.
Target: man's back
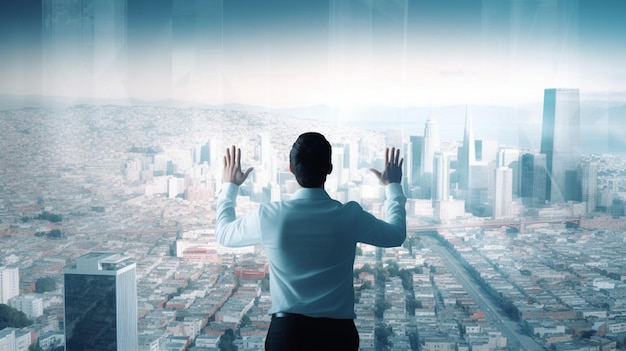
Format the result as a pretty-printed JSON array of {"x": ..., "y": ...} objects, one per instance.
[
  {"x": 311, "y": 250},
  {"x": 311, "y": 242}
]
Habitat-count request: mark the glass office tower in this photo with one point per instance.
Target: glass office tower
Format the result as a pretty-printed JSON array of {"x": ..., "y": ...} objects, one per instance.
[
  {"x": 101, "y": 303},
  {"x": 560, "y": 142},
  {"x": 532, "y": 179},
  {"x": 416, "y": 162},
  {"x": 441, "y": 177}
]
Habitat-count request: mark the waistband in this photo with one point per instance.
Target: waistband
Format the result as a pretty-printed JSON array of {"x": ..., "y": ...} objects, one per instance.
[
  {"x": 287, "y": 314},
  {"x": 302, "y": 316}
]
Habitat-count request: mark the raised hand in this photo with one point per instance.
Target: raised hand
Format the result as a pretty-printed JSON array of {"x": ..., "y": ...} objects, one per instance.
[
  {"x": 392, "y": 173},
  {"x": 232, "y": 167}
]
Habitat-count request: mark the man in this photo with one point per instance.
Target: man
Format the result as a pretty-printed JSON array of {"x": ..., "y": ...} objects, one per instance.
[{"x": 311, "y": 243}]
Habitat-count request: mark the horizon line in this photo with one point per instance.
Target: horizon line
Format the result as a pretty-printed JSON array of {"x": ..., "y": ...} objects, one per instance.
[{"x": 593, "y": 97}]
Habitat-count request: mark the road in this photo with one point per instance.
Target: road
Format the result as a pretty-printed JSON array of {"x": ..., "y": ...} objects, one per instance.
[{"x": 493, "y": 313}]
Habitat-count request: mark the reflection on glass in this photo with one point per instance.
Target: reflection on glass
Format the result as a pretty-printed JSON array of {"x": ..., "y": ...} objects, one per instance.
[{"x": 511, "y": 116}]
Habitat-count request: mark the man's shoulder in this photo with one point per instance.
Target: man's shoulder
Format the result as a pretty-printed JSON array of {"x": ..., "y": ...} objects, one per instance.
[{"x": 353, "y": 205}]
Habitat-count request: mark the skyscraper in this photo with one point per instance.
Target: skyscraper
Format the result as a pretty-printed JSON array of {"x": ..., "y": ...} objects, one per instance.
[
  {"x": 532, "y": 179},
  {"x": 337, "y": 177},
  {"x": 560, "y": 142},
  {"x": 265, "y": 174},
  {"x": 407, "y": 172},
  {"x": 351, "y": 157},
  {"x": 589, "y": 185},
  {"x": 9, "y": 283},
  {"x": 509, "y": 157},
  {"x": 441, "y": 177},
  {"x": 416, "y": 164},
  {"x": 432, "y": 144},
  {"x": 101, "y": 303},
  {"x": 503, "y": 193},
  {"x": 477, "y": 194},
  {"x": 467, "y": 153},
  {"x": 486, "y": 151},
  {"x": 206, "y": 153}
]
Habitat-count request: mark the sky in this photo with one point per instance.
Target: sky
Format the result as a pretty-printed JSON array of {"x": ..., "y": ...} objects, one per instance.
[{"x": 279, "y": 54}]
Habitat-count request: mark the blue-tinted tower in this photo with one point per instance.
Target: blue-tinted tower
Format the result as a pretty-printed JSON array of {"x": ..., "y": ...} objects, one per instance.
[
  {"x": 100, "y": 301},
  {"x": 560, "y": 142}
]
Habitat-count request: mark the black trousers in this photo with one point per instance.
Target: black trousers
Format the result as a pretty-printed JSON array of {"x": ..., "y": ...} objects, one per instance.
[{"x": 301, "y": 333}]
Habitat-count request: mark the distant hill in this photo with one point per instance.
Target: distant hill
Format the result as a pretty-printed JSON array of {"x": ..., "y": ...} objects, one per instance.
[{"x": 603, "y": 126}]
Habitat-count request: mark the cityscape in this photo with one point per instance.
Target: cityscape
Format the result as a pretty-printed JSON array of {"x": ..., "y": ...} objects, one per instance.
[
  {"x": 115, "y": 116},
  {"x": 493, "y": 260}
]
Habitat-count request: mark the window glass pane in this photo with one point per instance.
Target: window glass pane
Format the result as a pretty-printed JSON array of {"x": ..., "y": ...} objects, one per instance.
[{"x": 510, "y": 116}]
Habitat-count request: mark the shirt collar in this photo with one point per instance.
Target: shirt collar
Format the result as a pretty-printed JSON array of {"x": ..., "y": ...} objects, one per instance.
[{"x": 310, "y": 193}]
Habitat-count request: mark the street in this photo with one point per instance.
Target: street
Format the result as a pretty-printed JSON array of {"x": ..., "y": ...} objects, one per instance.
[{"x": 493, "y": 313}]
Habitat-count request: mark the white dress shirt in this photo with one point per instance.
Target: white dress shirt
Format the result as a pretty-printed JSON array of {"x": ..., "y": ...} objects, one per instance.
[{"x": 311, "y": 242}]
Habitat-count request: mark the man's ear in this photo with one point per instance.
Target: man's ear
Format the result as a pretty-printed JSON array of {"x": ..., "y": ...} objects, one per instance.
[
  {"x": 330, "y": 170},
  {"x": 291, "y": 169}
]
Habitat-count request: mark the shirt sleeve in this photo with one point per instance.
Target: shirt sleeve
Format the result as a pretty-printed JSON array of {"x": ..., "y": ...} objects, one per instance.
[
  {"x": 230, "y": 230},
  {"x": 390, "y": 232}
]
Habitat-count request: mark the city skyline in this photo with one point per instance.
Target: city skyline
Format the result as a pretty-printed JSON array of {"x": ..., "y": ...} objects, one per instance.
[
  {"x": 340, "y": 53},
  {"x": 122, "y": 181}
]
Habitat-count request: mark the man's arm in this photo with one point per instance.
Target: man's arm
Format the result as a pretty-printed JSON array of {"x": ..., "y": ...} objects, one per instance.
[
  {"x": 230, "y": 230},
  {"x": 392, "y": 231}
]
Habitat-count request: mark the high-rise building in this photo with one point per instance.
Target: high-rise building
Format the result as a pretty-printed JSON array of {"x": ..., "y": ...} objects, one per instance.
[
  {"x": 101, "y": 303},
  {"x": 366, "y": 152},
  {"x": 265, "y": 174},
  {"x": 337, "y": 177},
  {"x": 503, "y": 193},
  {"x": 467, "y": 153},
  {"x": 9, "y": 283},
  {"x": 407, "y": 174},
  {"x": 14, "y": 339},
  {"x": 351, "y": 157},
  {"x": 432, "y": 144},
  {"x": 509, "y": 157},
  {"x": 30, "y": 304},
  {"x": 486, "y": 151},
  {"x": 206, "y": 153},
  {"x": 416, "y": 164},
  {"x": 532, "y": 179},
  {"x": 474, "y": 174},
  {"x": 589, "y": 185},
  {"x": 478, "y": 191},
  {"x": 487, "y": 157},
  {"x": 441, "y": 177},
  {"x": 175, "y": 187},
  {"x": 560, "y": 142}
]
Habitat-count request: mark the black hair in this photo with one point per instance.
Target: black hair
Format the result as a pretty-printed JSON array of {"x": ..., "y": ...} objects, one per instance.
[{"x": 310, "y": 159}]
